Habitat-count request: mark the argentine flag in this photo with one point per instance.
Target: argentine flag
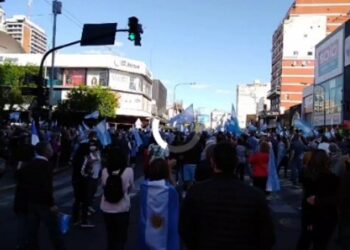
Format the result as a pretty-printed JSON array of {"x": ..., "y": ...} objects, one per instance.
[
  {"x": 159, "y": 216},
  {"x": 273, "y": 183},
  {"x": 103, "y": 134},
  {"x": 35, "y": 135}
]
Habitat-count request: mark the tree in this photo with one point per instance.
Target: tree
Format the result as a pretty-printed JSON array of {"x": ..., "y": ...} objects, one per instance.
[
  {"x": 89, "y": 99},
  {"x": 12, "y": 79}
]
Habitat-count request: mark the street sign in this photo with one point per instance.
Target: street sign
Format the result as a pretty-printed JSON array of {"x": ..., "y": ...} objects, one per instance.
[{"x": 98, "y": 34}]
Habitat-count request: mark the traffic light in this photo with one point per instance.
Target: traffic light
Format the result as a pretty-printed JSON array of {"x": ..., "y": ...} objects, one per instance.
[{"x": 135, "y": 31}]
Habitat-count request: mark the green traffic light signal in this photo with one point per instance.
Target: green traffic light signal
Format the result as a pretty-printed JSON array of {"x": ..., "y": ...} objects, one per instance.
[{"x": 132, "y": 36}]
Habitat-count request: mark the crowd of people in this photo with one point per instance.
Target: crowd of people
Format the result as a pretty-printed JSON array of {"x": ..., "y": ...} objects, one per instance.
[{"x": 213, "y": 196}]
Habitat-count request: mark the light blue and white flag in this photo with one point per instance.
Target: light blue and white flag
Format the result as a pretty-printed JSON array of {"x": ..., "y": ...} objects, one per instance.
[
  {"x": 306, "y": 128},
  {"x": 103, "y": 134},
  {"x": 159, "y": 216},
  {"x": 232, "y": 125},
  {"x": 186, "y": 117},
  {"x": 137, "y": 137},
  {"x": 273, "y": 183},
  {"x": 14, "y": 116},
  {"x": 93, "y": 115},
  {"x": 35, "y": 135}
]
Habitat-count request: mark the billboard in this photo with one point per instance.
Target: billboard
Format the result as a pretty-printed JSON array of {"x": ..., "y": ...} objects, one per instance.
[
  {"x": 329, "y": 57},
  {"x": 97, "y": 77},
  {"x": 74, "y": 77}
]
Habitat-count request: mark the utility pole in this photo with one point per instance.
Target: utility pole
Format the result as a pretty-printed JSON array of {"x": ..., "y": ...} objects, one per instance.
[{"x": 56, "y": 10}]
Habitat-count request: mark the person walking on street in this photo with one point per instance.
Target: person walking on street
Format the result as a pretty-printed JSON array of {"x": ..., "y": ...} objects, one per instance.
[
  {"x": 116, "y": 209},
  {"x": 225, "y": 213},
  {"x": 260, "y": 166},
  {"x": 36, "y": 178}
]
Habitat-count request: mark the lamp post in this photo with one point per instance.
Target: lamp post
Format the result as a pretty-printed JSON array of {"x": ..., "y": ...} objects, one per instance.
[{"x": 177, "y": 85}]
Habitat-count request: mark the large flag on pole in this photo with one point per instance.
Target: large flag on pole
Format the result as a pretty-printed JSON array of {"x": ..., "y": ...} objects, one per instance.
[
  {"x": 159, "y": 216},
  {"x": 232, "y": 125},
  {"x": 35, "y": 135},
  {"x": 306, "y": 128},
  {"x": 186, "y": 117}
]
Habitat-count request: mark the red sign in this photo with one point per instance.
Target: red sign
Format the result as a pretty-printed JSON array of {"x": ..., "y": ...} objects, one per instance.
[{"x": 74, "y": 77}]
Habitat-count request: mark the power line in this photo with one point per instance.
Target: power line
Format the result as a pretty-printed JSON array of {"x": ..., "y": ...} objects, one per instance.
[{"x": 70, "y": 16}]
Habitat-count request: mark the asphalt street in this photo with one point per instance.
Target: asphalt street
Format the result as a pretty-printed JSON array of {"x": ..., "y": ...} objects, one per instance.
[{"x": 284, "y": 206}]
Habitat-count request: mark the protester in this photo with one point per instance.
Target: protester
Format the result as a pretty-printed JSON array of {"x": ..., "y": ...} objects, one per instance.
[
  {"x": 282, "y": 157},
  {"x": 297, "y": 150},
  {"x": 319, "y": 204},
  {"x": 90, "y": 171},
  {"x": 344, "y": 206},
  {"x": 159, "y": 209},
  {"x": 225, "y": 213},
  {"x": 204, "y": 170},
  {"x": 259, "y": 162},
  {"x": 36, "y": 177},
  {"x": 116, "y": 213}
]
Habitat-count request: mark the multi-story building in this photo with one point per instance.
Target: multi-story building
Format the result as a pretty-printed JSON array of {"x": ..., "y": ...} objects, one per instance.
[
  {"x": 2, "y": 19},
  {"x": 32, "y": 38},
  {"x": 159, "y": 99},
  {"x": 248, "y": 98},
  {"x": 129, "y": 78},
  {"x": 218, "y": 119},
  {"x": 293, "y": 50}
]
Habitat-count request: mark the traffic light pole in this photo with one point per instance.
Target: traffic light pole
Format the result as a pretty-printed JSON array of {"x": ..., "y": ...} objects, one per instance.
[{"x": 41, "y": 77}]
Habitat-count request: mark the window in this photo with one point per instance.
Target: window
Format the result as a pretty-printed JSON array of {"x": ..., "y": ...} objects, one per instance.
[
  {"x": 295, "y": 53},
  {"x": 309, "y": 53}
]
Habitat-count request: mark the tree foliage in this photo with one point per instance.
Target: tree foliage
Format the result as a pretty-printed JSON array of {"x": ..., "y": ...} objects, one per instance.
[
  {"x": 89, "y": 99},
  {"x": 12, "y": 79}
]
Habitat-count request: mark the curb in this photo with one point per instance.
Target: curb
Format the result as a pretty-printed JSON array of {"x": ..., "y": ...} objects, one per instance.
[{"x": 13, "y": 186}]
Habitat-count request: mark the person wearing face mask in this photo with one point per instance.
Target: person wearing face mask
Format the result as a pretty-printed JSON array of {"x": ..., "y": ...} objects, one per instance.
[{"x": 90, "y": 171}]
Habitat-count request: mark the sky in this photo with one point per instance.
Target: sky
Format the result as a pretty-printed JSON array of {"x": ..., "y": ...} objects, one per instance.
[{"x": 217, "y": 44}]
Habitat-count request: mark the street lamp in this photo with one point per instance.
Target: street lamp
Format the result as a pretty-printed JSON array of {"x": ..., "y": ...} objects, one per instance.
[{"x": 177, "y": 85}]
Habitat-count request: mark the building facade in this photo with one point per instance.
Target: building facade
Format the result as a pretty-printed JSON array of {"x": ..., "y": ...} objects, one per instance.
[
  {"x": 32, "y": 38},
  {"x": 293, "y": 48},
  {"x": 129, "y": 78},
  {"x": 248, "y": 98},
  {"x": 332, "y": 74},
  {"x": 218, "y": 119},
  {"x": 159, "y": 99}
]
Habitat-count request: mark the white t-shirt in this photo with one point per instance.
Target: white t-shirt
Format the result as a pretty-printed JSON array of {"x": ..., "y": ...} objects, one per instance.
[{"x": 128, "y": 184}]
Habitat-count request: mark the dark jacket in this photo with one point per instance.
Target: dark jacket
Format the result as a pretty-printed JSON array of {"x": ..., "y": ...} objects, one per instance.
[
  {"x": 344, "y": 199},
  {"x": 78, "y": 161},
  {"x": 324, "y": 188},
  {"x": 35, "y": 185},
  {"x": 223, "y": 213}
]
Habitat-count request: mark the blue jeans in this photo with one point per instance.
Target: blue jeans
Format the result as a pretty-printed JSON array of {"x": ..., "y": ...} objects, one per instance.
[
  {"x": 296, "y": 168},
  {"x": 36, "y": 215}
]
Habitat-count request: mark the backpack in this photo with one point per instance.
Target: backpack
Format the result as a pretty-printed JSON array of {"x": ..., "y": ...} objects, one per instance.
[{"x": 113, "y": 190}]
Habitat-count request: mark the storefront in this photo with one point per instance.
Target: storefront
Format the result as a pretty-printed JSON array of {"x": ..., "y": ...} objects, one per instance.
[
  {"x": 130, "y": 79},
  {"x": 329, "y": 103}
]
